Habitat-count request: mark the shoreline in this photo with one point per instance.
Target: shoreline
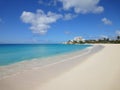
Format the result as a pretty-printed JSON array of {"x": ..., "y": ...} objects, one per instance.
[
  {"x": 33, "y": 77},
  {"x": 41, "y": 55},
  {"x": 52, "y": 56},
  {"x": 16, "y": 68},
  {"x": 98, "y": 70}
]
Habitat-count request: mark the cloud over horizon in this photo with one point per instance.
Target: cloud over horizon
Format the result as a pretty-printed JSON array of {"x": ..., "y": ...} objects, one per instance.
[
  {"x": 106, "y": 21},
  {"x": 40, "y": 21},
  {"x": 118, "y": 32}
]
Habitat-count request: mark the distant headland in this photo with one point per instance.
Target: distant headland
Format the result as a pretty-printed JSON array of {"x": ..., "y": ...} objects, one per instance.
[{"x": 80, "y": 40}]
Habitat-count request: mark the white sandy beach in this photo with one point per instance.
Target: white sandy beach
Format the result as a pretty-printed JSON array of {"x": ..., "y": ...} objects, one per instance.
[{"x": 96, "y": 71}]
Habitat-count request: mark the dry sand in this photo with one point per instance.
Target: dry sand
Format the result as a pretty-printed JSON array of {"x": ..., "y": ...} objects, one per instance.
[{"x": 98, "y": 71}]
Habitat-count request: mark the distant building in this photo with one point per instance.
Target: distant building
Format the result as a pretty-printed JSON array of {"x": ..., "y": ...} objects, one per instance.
[
  {"x": 80, "y": 40},
  {"x": 76, "y": 40}
]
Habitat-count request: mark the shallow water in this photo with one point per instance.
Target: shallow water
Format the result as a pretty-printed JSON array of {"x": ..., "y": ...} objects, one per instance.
[{"x": 12, "y": 53}]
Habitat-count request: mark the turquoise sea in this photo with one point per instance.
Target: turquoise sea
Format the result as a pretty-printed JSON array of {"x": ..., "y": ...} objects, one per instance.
[{"x": 12, "y": 53}]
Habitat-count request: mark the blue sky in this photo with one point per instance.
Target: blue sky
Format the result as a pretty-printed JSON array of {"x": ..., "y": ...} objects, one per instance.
[{"x": 54, "y": 21}]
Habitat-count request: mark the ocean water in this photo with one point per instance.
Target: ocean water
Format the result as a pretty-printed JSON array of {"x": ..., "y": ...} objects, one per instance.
[{"x": 12, "y": 53}]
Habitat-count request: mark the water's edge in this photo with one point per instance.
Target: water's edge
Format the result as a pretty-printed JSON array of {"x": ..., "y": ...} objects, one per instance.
[
  {"x": 10, "y": 54},
  {"x": 6, "y": 71}
]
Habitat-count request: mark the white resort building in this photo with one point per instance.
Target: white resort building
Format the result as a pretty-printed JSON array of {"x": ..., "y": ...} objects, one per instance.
[{"x": 76, "y": 39}]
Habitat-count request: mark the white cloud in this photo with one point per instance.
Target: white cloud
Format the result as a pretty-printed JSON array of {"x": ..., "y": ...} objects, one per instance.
[
  {"x": 40, "y": 21},
  {"x": 118, "y": 32},
  {"x": 69, "y": 16},
  {"x": 82, "y": 6},
  {"x": 106, "y": 21}
]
